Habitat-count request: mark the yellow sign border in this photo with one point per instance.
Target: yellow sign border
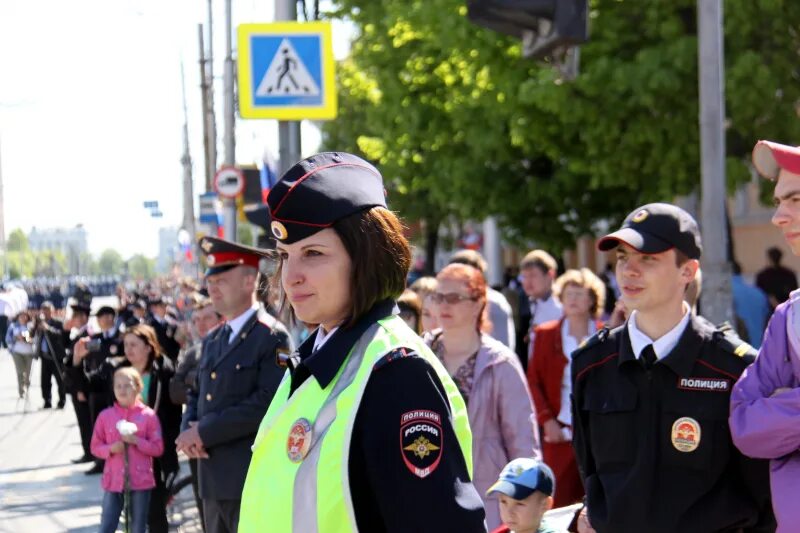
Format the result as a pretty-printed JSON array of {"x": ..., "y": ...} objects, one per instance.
[{"x": 247, "y": 107}]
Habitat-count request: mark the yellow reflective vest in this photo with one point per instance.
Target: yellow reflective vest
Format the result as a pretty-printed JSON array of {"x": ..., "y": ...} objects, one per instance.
[{"x": 298, "y": 476}]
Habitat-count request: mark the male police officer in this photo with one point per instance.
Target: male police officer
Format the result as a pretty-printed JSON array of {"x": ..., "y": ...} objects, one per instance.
[
  {"x": 236, "y": 379},
  {"x": 650, "y": 398},
  {"x": 92, "y": 352}
]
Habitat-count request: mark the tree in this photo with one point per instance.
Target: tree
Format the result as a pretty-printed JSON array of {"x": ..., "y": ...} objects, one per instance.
[
  {"x": 110, "y": 262},
  {"x": 17, "y": 241},
  {"x": 460, "y": 124},
  {"x": 141, "y": 267}
]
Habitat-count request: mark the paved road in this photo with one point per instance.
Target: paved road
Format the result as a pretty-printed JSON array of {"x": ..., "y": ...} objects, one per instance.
[{"x": 41, "y": 491}]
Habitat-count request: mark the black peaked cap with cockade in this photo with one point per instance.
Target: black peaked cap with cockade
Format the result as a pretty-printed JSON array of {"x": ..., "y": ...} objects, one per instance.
[{"x": 320, "y": 190}]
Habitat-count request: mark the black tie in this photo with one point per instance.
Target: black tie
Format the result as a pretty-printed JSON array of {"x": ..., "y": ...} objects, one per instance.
[
  {"x": 648, "y": 357},
  {"x": 226, "y": 333}
]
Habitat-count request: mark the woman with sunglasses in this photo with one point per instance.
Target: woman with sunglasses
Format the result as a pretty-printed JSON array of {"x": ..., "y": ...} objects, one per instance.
[
  {"x": 489, "y": 377},
  {"x": 364, "y": 406}
]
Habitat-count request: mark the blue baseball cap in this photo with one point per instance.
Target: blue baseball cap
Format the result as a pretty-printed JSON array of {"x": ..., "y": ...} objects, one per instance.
[{"x": 522, "y": 477}]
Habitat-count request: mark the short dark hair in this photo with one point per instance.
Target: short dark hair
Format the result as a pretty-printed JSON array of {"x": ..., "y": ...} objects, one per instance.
[
  {"x": 775, "y": 254},
  {"x": 380, "y": 254},
  {"x": 381, "y": 258}
]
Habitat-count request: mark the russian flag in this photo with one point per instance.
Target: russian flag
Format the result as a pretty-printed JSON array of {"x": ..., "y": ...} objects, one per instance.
[{"x": 268, "y": 176}]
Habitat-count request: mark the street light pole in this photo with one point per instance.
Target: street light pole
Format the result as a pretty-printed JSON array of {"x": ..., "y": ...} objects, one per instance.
[
  {"x": 230, "y": 142},
  {"x": 717, "y": 302}
]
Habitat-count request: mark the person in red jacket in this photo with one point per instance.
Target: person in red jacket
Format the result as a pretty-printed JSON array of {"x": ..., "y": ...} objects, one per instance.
[{"x": 582, "y": 295}]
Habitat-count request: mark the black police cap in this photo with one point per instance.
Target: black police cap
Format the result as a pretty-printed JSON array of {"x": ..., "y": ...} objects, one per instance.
[
  {"x": 83, "y": 299},
  {"x": 222, "y": 255},
  {"x": 320, "y": 190},
  {"x": 656, "y": 228}
]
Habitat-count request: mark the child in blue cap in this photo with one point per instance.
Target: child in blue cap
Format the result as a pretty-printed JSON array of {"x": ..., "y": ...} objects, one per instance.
[{"x": 525, "y": 490}]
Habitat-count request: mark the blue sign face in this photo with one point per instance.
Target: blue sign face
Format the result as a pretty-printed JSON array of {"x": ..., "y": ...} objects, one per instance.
[{"x": 286, "y": 70}]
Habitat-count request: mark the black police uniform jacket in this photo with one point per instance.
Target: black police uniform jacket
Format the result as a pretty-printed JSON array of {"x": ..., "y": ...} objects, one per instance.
[
  {"x": 653, "y": 446},
  {"x": 235, "y": 385},
  {"x": 387, "y": 496}
]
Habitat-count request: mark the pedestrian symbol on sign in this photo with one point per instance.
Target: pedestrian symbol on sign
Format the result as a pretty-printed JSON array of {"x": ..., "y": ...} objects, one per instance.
[{"x": 287, "y": 75}]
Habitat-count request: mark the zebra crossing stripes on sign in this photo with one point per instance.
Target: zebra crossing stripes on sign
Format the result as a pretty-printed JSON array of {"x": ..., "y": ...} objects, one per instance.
[
  {"x": 286, "y": 71},
  {"x": 287, "y": 75}
]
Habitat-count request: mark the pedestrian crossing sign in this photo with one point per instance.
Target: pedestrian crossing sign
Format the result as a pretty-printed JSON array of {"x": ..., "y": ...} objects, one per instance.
[{"x": 286, "y": 71}]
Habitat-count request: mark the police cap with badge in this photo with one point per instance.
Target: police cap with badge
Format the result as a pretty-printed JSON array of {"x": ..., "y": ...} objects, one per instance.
[
  {"x": 319, "y": 191},
  {"x": 222, "y": 255},
  {"x": 657, "y": 228}
]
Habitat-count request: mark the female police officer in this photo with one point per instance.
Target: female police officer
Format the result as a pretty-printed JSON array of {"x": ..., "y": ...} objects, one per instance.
[{"x": 367, "y": 431}]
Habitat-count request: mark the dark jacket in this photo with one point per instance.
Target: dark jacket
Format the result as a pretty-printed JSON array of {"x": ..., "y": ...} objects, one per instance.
[
  {"x": 165, "y": 331},
  {"x": 654, "y": 447},
  {"x": 235, "y": 384}
]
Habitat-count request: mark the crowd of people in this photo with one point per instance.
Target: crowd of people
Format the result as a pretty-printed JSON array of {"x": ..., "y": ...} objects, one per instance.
[{"x": 604, "y": 391}]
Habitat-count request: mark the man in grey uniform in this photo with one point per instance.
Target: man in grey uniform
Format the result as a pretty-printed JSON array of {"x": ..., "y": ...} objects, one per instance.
[{"x": 236, "y": 379}]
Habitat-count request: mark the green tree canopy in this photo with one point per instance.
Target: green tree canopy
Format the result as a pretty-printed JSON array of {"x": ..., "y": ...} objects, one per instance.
[
  {"x": 141, "y": 267},
  {"x": 460, "y": 123},
  {"x": 110, "y": 262},
  {"x": 17, "y": 241}
]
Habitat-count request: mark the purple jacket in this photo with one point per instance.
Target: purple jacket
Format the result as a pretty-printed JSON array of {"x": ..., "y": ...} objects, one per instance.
[{"x": 768, "y": 427}]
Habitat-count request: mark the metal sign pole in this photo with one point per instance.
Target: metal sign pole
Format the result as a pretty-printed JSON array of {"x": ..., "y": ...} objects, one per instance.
[
  {"x": 288, "y": 131},
  {"x": 230, "y": 142},
  {"x": 716, "y": 298}
]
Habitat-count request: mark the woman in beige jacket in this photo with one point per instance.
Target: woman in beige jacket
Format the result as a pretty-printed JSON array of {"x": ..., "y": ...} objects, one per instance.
[{"x": 489, "y": 377}]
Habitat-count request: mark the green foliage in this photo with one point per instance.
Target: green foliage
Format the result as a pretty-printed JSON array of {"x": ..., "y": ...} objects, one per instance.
[
  {"x": 141, "y": 267},
  {"x": 17, "y": 241},
  {"x": 110, "y": 263},
  {"x": 460, "y": 124}
]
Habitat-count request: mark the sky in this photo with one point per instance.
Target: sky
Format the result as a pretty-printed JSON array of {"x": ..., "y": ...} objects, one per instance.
[{"x": 91, "y": 113}]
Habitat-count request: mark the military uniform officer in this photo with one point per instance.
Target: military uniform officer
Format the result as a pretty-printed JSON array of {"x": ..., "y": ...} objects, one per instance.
[
  {"x": 236, "y": 379},
  {"x": 367, "y": 431},
  {"x": 651, "y": 398},
  {"x": 93, "y": 352},
  {"x": 165, "y": 327}
]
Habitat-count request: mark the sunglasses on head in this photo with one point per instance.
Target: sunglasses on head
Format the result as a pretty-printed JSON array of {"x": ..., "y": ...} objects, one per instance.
[{"x": 450, "y": 298}]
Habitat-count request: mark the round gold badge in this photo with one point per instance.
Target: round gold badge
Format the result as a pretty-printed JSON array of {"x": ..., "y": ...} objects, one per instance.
[
  {"x": 299, "y": 440},
  {"x": 279, "y": 230},
  {"x": 641, "y": 215},
  {"x": 686, "y": 434}
]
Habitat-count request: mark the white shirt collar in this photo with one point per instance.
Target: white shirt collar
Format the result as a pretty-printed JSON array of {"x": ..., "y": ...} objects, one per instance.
[
  {"x": 322, "y": 337},
  {"x": 664, "y": 344},
  {"x": 237, "y": 323}
]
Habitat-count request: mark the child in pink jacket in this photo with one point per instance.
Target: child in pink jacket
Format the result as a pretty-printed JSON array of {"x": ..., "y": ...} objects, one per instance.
[{"x": 109, "y": 439}]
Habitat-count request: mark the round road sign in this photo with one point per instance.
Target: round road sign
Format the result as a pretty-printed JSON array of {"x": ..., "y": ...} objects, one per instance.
[{"x": 229, "y": 182}]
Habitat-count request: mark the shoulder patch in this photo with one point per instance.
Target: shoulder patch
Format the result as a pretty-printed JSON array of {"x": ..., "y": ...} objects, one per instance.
[
  {"x": 394, "y": 355},
  {"x": 728, "y": 340},
  {"x": 597, "y": 339},
  {"x": 421, "y": 441}
]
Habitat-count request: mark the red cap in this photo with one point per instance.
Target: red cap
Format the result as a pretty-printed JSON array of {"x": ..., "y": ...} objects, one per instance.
[{"x": 770, "y": 157}]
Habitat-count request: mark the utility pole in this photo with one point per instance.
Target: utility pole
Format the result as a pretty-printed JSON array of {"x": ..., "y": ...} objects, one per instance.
[
  {"x": 186, "y": 161},
  {"x": 3, "y": 221},
  {"x": 229, "y": 205},
  {"x": 288, "y": 131},
  {"x": 208, "y": 167},
  {"x": 717, "y": 301},
  {"x": 211, "y": 115}
]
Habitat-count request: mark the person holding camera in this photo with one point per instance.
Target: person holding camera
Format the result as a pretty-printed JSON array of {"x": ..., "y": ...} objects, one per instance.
[
  {"x": 19, "y": 339},
  {"x": 92, "y": 352}
]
